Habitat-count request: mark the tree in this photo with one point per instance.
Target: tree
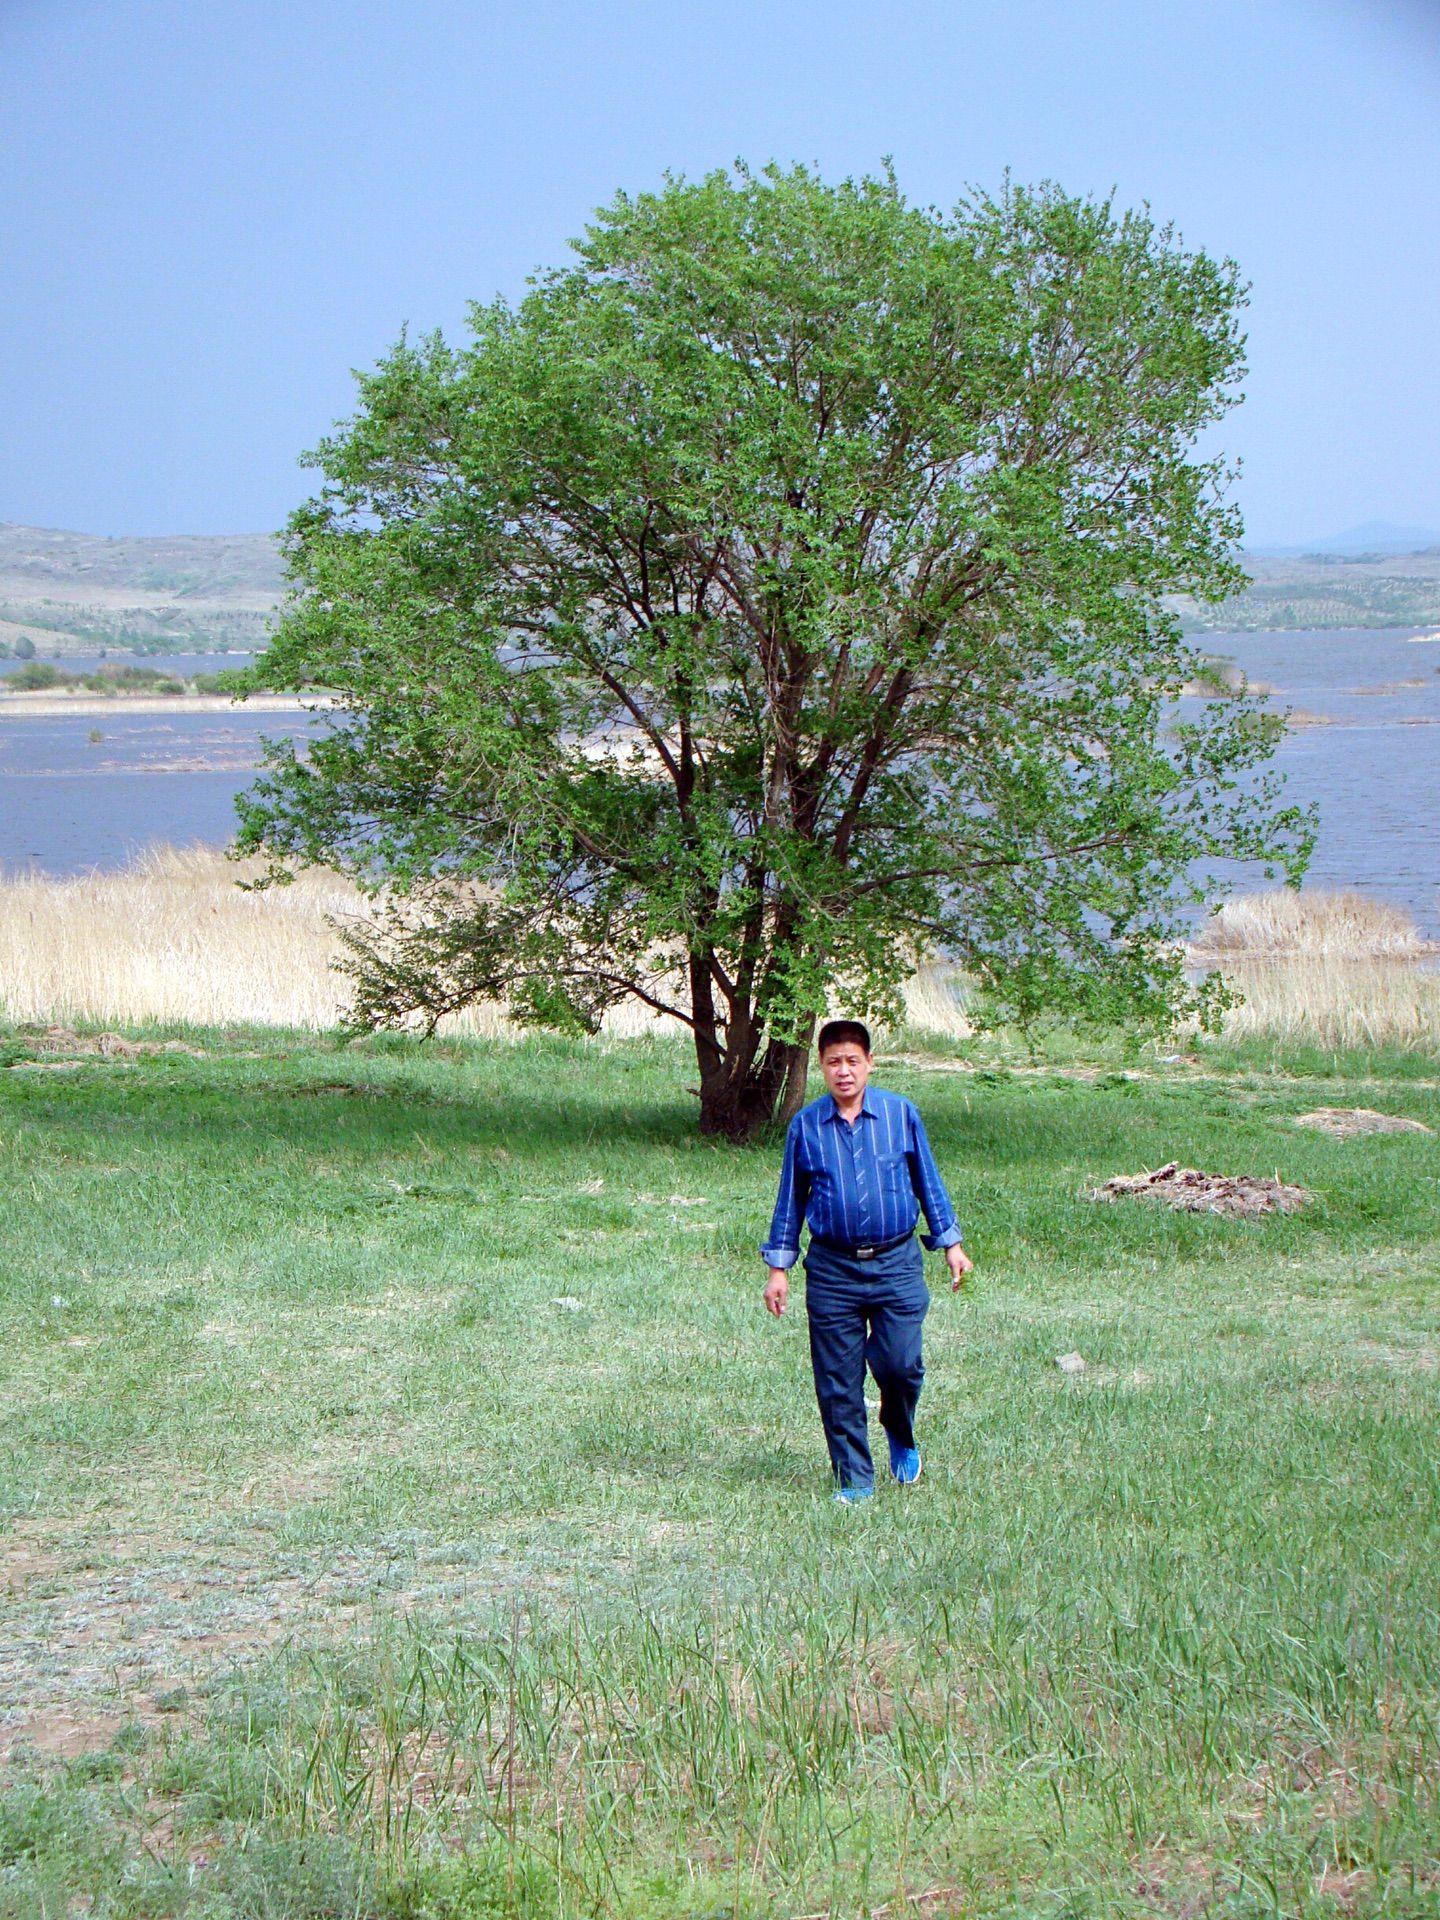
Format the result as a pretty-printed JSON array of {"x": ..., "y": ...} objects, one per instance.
[{"x": 774, "y": 594}]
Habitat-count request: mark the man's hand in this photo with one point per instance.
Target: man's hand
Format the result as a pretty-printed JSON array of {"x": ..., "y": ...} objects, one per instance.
[
  {"x": 960, "y": 1264},
  {"x": 777, "y": 1291}
]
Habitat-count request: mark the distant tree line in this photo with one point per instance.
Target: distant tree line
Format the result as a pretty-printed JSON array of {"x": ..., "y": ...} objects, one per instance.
[{"x": 43, "y": 676}]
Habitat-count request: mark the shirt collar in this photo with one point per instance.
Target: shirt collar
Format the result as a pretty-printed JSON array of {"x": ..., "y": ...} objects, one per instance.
[{"x": 867, "y": 1107}]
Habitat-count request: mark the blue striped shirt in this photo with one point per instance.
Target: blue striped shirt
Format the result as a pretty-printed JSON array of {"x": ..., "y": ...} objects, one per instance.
[{"x": 858, "y": 1185}]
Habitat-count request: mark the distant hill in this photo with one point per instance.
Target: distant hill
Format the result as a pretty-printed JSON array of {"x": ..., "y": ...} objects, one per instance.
[
  {"x": 1327, "y": 589},
  {"x": 183, "y": 593},
  {"x": 1375, "y": 537},
  {"x": 74, "y": 592}
]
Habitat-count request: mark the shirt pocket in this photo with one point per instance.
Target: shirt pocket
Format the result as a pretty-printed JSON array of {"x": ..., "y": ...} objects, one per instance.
[{"x": 894, "y": 1174}]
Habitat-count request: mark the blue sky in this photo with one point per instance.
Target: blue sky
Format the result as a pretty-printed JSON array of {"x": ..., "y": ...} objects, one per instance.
[{"x": 210, "y": 214}]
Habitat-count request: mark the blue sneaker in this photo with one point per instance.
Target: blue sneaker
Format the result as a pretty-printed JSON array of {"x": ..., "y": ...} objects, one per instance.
[
  {"x": 852, "y": 1496},
  {"x": 905, "y": 1464}
]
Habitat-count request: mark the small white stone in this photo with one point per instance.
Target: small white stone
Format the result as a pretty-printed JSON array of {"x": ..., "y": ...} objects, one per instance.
[
  {"x": 1070, "y": 1362},
  {"x": 568, "y": 1302}
]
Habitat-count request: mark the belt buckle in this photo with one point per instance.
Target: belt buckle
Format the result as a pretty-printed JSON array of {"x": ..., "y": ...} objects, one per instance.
[{"x": 864, "y": 1253}]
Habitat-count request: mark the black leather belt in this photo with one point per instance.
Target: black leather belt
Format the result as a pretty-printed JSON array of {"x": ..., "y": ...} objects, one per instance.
[{"x": 861, "y": 1253}]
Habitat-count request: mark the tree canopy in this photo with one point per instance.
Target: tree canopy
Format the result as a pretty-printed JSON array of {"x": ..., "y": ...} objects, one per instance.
[{"x": 771, "y": 596}]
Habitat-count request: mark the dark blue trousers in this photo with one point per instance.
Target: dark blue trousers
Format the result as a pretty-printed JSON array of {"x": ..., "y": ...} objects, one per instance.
[{"x": 865, "y": 1313}]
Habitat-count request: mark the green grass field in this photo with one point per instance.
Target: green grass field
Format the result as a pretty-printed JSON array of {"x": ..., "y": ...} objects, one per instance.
[{"x": 409, "y": 1512}]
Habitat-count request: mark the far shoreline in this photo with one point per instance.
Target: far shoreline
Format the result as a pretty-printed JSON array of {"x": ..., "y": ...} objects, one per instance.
[{"x": 92, "y": 706}]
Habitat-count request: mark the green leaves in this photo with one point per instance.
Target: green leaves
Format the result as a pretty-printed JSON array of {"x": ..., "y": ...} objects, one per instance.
[{"x": 776, "y": 590}]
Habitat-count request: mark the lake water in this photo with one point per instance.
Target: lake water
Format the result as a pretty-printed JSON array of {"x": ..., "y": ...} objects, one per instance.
[
  {"x": 69, "y": 803},
  {"x": 1375, "y": 773}
]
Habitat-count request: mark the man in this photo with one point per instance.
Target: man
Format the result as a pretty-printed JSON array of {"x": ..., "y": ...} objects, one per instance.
[{"x": 858, "y": 1168}]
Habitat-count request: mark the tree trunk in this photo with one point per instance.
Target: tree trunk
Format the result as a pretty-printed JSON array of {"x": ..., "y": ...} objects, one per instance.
[
  {"x": 740, "y": 1101},
  {"x": 792, "y": 1094}
]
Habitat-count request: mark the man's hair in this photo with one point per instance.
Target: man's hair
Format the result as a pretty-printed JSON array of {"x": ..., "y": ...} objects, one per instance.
[{"x": 835, "y": 1033}]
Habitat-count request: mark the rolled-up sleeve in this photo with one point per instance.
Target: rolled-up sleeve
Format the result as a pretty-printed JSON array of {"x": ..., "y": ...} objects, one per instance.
[
  {"x": 930, "y": 1188},
  {"x": 782, "y": 1249}
]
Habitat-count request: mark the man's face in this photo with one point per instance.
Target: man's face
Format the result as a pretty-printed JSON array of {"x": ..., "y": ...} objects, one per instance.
[{"x": 846, "y": 1067}]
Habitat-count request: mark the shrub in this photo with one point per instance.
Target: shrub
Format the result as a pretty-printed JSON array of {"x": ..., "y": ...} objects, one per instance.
[
  {"x": 117, "y": 678},
  {"x": 38, "y": 676}
]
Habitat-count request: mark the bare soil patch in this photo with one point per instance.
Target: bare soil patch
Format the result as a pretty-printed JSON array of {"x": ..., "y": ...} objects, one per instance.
[
  {"x": 1238, "y": 1195},
  {"x": 60, "y": 1733},
  {"x": 103, "y": 1627},
  {"x": 111, "y": 1046},
  {"x": 1345, "y": 1122},
  {"x": 1186, "y": 1067},
  {"x": 1422, "y": 1356}
]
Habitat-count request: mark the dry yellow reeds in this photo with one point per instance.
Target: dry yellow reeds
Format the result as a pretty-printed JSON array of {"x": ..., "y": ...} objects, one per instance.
[
  {"x": 174, "y": 939},
  {"x": 1334, "y": 968},
  {"x": 935, "y": 1002},
  {"x": 171, "y": 938},
  {"x": 1312, "y": 922},
  {"x": 1330, "y": 1001}
]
